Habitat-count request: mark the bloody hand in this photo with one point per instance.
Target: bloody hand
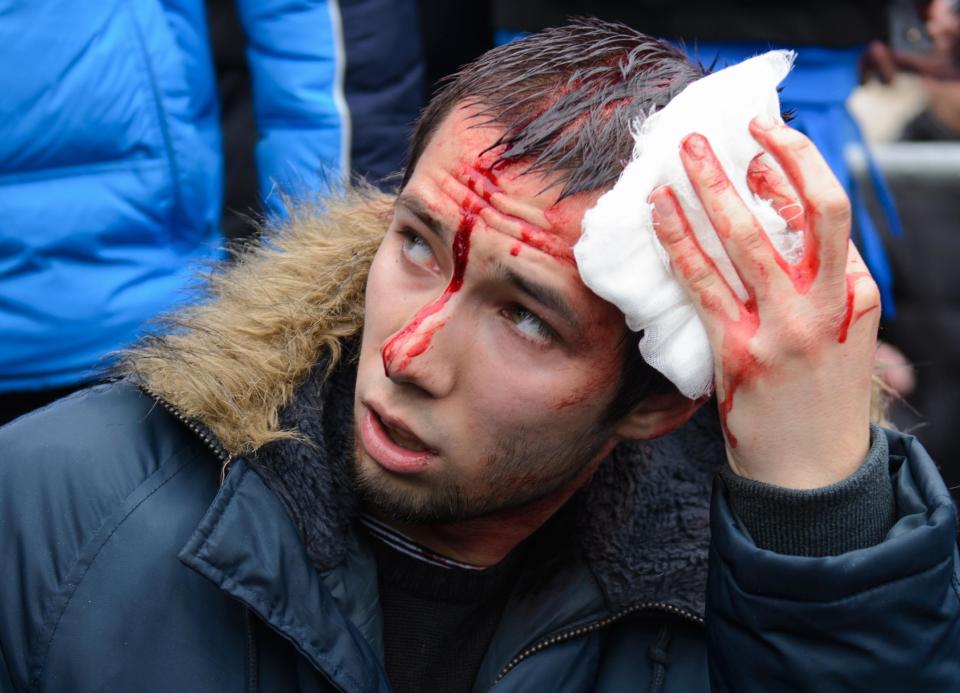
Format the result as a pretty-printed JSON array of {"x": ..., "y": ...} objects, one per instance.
[{"x": 793, "y": 361}]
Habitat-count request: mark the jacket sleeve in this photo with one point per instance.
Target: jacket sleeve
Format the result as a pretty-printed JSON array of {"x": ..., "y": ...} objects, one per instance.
[
  {"x": 882, "y": 617},
  {"x": 336, "y": 85}
]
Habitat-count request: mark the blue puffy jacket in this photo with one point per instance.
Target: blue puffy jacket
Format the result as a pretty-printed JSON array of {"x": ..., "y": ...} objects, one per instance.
[{"x": 110, "y": 161}]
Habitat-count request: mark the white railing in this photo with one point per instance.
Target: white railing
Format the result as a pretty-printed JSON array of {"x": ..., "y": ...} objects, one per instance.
[{"x": 934, "y": 162}]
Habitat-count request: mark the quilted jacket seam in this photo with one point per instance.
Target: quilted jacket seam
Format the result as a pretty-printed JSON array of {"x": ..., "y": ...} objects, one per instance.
[
  {"x": 855, "y": 595},
  {"x": 73, "y": 586},
  {"x": 234, "y": 587}
]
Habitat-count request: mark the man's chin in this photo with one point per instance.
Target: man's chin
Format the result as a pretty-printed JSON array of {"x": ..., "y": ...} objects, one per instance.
[{"x": 405, "y": 498}]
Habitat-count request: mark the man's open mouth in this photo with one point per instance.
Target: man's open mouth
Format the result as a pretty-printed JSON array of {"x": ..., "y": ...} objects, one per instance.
[{"x": 403, "y": 438}]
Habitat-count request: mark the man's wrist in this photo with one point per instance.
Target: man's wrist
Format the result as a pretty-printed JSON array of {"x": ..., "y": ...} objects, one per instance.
[{"x": 851, "y": 514}]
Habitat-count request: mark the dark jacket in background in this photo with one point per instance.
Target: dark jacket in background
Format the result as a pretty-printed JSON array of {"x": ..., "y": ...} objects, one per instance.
[
  {"x": 817, "y": 22},
  {"x": 927, "y": 325},
  {"x": 382, "y": 86}
]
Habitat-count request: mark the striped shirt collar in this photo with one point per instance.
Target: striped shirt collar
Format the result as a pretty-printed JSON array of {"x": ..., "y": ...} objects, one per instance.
[{"x": 404, "y": 544}]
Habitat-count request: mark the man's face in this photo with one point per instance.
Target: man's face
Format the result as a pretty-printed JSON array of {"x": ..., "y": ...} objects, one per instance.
[{"x": 486, "y": 364}]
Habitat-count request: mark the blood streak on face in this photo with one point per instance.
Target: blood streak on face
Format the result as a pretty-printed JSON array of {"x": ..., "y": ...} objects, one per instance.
[
  {"x": 481, "y": 180},
  {"x": 574, "y": 400},
  {"x": 411, "y": 336},
  {"x": 482, "y": 185},
  {"x": 547, "y": 243}
]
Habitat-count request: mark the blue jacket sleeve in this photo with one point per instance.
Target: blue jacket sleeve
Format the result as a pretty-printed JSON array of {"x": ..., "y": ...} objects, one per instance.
[
  {"x": 297, "y": 62},
  {"x": 886, "y": 617},
  {"x": 336, "y": 86}
]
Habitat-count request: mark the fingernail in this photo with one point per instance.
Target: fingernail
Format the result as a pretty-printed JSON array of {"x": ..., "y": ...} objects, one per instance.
[
  {"x": 764, "y": 121},
  {"x": 662, "y": 202},
  {"x": 696, "y": 145}
]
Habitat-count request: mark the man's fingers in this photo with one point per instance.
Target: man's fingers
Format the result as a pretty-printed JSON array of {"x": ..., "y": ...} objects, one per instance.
[
  {"x": 824, "y": 199},
  {"x": 863, "y": 296},
  {"x": 865, "y": 290},
  {"x": 750, "y": 250},
  {"x": 767, "y": 183},
  {"x": 696, "y": 269}
]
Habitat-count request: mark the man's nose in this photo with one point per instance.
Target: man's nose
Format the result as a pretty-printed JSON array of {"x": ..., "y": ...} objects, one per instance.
[{"x": 420, "y": 352}]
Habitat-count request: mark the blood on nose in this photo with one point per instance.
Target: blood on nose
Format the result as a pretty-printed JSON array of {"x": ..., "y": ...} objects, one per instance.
[{"x": 416, "y": 337}]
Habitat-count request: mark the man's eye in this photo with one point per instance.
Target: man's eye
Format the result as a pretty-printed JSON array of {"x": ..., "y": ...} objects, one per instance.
[
  {"x": 417, "y": 250},
  {"x": 530, "y": 325}
]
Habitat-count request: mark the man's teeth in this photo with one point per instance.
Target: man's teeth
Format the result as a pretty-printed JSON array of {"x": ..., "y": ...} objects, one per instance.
[{"x": 404, "y": 440}]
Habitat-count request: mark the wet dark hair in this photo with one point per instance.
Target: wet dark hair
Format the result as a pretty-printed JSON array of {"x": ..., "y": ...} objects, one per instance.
[{"x": 566, "y": 100}]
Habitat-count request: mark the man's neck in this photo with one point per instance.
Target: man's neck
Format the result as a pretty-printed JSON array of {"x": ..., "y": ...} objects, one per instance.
[{"x": 486, "y": 540}]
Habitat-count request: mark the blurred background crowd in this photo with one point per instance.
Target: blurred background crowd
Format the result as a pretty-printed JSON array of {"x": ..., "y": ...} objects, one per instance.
[{"x": 142, "y": 138}]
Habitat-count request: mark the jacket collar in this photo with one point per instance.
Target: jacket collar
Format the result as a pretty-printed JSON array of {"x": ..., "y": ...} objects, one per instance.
[
  {"x": 247, "y": 546},
  {"x": 280, "y": 537},
  {"x": 641, "y": 526}
]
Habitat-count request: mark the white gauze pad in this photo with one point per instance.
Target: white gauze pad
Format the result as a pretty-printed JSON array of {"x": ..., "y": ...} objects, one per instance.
[{"x": 619, "y": 256}]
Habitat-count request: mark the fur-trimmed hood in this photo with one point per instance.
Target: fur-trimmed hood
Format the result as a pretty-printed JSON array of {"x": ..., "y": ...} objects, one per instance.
[
  {"x": 233, "y": 359},
  {"x": 267, "y": 363}
]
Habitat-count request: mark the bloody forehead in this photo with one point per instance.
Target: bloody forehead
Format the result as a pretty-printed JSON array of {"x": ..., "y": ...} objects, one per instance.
[{"x": 530, "y": 226}]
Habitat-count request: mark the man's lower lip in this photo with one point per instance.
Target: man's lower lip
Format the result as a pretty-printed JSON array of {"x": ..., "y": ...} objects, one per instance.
[{"x": 388, "y": 454}]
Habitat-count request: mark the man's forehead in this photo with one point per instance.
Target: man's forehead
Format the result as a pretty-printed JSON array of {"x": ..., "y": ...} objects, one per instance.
[{"x": 462, "y": 162}]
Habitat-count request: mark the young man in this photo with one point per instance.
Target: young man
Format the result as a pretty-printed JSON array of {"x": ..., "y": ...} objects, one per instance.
[{"x": 484, "y": 486}]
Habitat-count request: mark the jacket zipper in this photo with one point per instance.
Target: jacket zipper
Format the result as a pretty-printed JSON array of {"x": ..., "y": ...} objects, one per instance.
[
  {"x": 597, "y": 625},
  {"x": 208, "y": 439}
]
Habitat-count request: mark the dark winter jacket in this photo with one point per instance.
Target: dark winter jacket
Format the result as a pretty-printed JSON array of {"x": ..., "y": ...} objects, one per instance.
[
  {"x": 833, "y": 23},
  {"x": 130, "y": 565}
]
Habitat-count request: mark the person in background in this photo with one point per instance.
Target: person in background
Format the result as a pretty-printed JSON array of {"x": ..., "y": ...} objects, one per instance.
[
  {"x": 927, "y": 286},
  {"x": 111, "y": 169},
  {"x": 830, "y": 38}
]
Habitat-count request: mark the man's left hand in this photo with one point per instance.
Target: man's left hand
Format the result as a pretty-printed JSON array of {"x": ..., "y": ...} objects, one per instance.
[{"x": 793, "y": 361}]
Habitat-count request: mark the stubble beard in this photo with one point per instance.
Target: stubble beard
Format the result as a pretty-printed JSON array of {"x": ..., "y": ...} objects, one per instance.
[{"x": 519, "y": 475}]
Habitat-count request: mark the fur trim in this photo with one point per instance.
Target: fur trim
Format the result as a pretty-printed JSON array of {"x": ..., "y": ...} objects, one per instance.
[
  {"x": 235, "y": 358},
  {"x": 644, "y": 519}
]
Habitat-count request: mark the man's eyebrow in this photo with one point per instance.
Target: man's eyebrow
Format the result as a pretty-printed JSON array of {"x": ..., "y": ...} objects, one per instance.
[
  {"x": 544, "y": 295},
  {"x": 419, "y": 210}
]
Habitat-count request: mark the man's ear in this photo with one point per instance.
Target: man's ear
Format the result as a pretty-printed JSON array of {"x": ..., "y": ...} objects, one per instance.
[{"x": 657, "y": 415}]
